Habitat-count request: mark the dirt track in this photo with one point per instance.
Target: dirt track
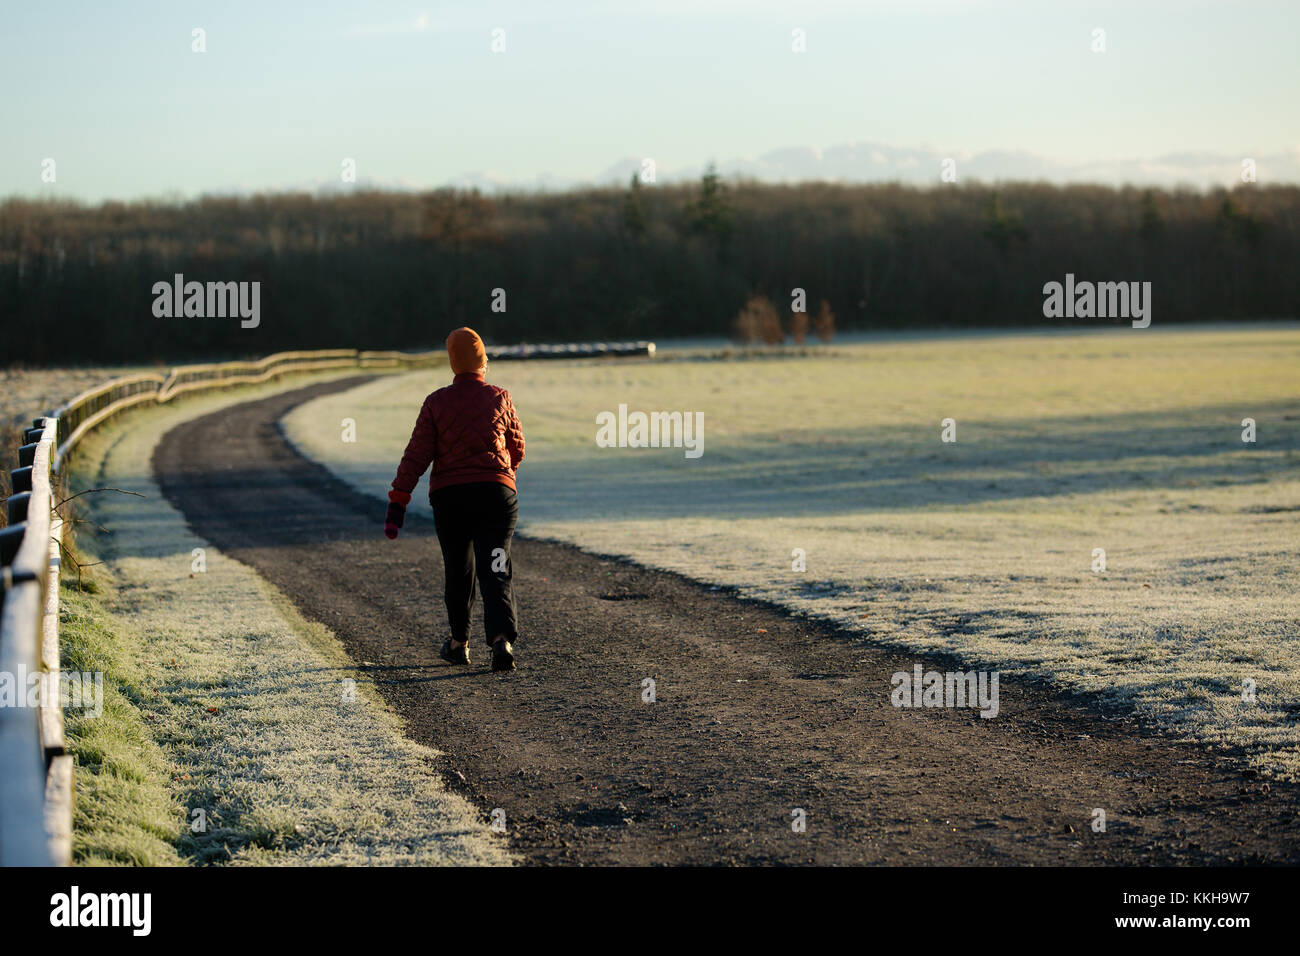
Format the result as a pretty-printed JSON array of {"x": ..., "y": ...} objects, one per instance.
[{"x": 757, "y": 713}]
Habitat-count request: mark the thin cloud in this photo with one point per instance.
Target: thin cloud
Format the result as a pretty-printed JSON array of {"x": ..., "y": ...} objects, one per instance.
[{"x": 419, "y": 24}]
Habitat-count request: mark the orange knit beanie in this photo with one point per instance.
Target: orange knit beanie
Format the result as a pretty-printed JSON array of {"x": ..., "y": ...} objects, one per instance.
[{"x": 465, "y": 349}]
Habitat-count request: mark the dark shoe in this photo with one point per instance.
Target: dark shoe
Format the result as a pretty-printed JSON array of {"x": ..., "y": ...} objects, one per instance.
[
  {"x": 503, "y": 656},
  {"x": 454, "y": 655}
]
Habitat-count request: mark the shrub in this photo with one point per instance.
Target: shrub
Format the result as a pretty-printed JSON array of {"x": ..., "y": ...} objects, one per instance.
[
  {"x": 799, "y": 327},
  {"x": 824, "y": 324},
  {"x": 758, "y": 321}
]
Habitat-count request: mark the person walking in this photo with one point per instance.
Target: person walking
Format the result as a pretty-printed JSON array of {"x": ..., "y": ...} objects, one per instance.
[{"x": 470, "y": 433}]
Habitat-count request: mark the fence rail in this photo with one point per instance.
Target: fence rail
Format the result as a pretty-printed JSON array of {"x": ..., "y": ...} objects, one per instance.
[
  {"x": 35, "y": 770},
  {"x": 30, "y": 744}
]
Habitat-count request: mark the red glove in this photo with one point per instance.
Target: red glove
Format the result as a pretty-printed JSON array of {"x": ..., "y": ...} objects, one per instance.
[{"x": 393, "y": 519}]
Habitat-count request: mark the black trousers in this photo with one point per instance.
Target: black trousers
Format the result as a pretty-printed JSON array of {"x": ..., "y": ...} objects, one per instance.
[{"x": 475, "y": 523}]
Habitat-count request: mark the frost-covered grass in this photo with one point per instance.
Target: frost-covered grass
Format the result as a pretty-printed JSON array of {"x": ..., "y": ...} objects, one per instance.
[
  {"x": 124, "y": 811},
  {"x": 1124, "y": 440},
  {"x": 29, "y": 393},
  {"x": 26, "y": 393},
  {"x": 225, "y": 707}
]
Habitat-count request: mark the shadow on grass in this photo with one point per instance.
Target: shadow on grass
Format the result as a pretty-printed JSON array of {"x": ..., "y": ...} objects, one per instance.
[{"x": 251, "y": 505}]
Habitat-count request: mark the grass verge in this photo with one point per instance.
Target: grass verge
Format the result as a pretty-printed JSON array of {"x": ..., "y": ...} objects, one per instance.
[
  {"x": 228, "y": 710},
  {"x": 124, "y": 813}
]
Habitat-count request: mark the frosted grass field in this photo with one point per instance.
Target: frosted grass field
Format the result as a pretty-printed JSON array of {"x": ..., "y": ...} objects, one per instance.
[
  {"x": 1124, "y": 440},
  {"x": 26, "y": 393}
]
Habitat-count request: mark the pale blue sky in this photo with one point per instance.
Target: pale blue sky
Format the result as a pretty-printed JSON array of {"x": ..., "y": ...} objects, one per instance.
[{"x": 413, "y": 92}]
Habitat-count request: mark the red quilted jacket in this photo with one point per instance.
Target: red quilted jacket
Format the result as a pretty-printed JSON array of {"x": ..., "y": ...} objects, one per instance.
[{"x": 469, "y": 432}]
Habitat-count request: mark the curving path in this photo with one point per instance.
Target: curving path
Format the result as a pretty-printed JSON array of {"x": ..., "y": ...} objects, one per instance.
[{"x": 757, "y": 713}]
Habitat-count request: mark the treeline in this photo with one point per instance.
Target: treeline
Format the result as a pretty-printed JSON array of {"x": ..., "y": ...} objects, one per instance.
[{"x": 398, "y": 270}]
